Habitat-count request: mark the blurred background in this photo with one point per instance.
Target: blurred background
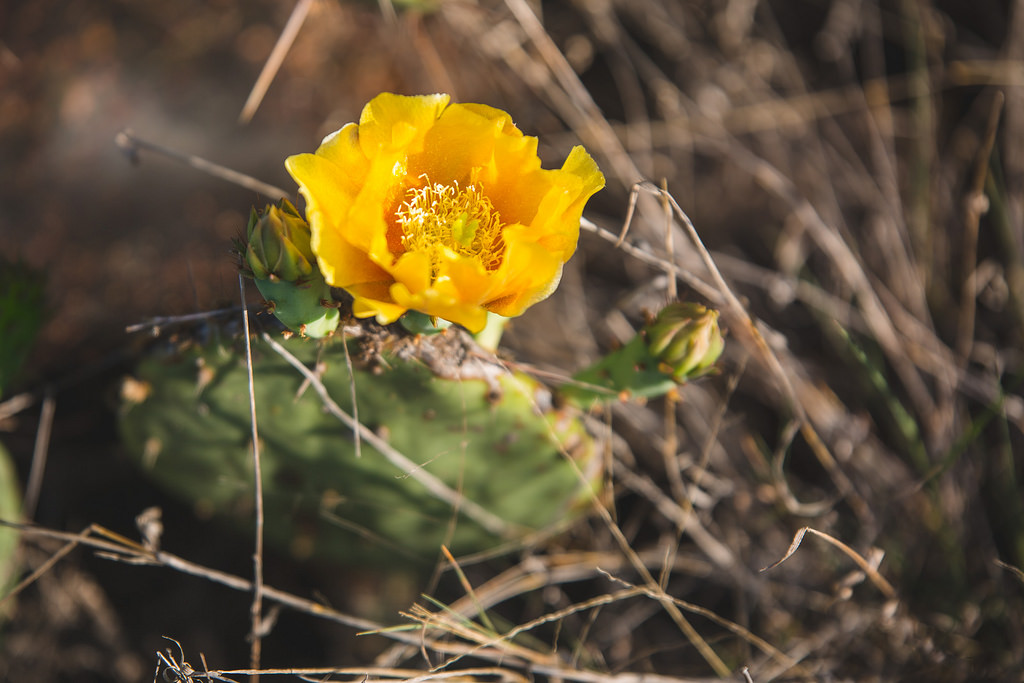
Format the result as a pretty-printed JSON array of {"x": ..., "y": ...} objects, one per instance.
[{"x": 855, "y": 167}]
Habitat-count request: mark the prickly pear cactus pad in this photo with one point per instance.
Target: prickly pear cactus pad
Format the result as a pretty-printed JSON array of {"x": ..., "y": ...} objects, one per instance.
[
  {"x": 474, "y": 426},
  {"x": 10, "y": 510}
]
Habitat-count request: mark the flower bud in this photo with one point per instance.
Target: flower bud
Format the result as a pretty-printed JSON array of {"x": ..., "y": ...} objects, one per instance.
[
  {"x": 686, "y": 338},
  {"x": 277, "y": 244},
  {"x": 278, "y": 257}
]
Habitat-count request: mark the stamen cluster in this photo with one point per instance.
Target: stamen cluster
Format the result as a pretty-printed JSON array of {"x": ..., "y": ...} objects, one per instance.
[{"x": 435, "y": 217}]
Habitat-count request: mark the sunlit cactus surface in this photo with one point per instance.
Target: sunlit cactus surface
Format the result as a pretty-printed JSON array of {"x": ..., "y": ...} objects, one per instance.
[{"x": 491, "y": 434}]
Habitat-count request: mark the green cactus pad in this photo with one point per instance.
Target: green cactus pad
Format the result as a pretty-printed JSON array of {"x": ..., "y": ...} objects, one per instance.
[
  {"x": 10, "y": 510},
  {"x": 481, "y": 436},
  {"x": 629, "y": 372},
  {"x": 300, "y": 308}
]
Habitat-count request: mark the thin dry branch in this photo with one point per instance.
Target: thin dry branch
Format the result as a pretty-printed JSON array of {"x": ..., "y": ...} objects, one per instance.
[
  {"x": 370, "y": 674},
  {"x": 39, "y": 455},
  {"x": 256, "y": 609},
  {"x": 585, "y": 114},
  {"x": 539, "y": 572},
  {"x": 487, "y": 639},
  {"x": 274, "y": 61},
  {"x": 850, "y": 268},
  {"x": 698, "y": 641},
  {"x": 1016, "y": 571},
  {"x": 71, "y": 542},
  {"x": 872, "y": 573},
  {"x": 131, "y": 144},
  {"x": 730, "y": 626},
  {"x": 975, "y": 204}
]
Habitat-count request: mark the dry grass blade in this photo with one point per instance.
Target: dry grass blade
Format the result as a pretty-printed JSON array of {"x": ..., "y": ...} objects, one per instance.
[
  {"x": 72, "y": 543},
  {"x": 693, "y": 281},
  {"x": 486, "y": 644},
  {"x": 485, "y": 639},
  {"x": 113, "y": 546},
  {"x": 849, "y": 266},
  {"x": 744, "y": 633},
  {"x": 155, "y": 324},
  {"x": 356, "y": 432},
  {"x": 872, "y": 573},
  {"x": 256, "y": 609},
  {"x": 274, "y": 61},
  {"x": 702, "y": 646},
  {"x": 975, "y": 204},
  {"x": 500, "y": 675},
  {"x": 709, "y": 442},
  {"x": 39, "y": 455},
  {"x": 719, "y": 554},
  {"x": 446, "y": 621},
  {"x": 15, "y": 404},
  {"x": 540, "y": 572},
  {"x": 698, "y": 641},
  {"x": 672, "y": 292},
  {"x": 468, "y": 587},
  {"x": 584, "y": 112}
]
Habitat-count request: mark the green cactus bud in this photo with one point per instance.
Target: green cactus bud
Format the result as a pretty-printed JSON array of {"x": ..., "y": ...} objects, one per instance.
[
  {"x": 686, "y": 338},
  {"x": 22, "y": 311},
  {"x": 278, "y": 245},
  {"x": 489, "y": 434},
  {"x": 681, "y": 344},
  {"x": 277, "y": 255}
]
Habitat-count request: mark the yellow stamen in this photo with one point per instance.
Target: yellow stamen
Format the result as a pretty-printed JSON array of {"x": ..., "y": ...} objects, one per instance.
[{"x": 435, "y": 216}]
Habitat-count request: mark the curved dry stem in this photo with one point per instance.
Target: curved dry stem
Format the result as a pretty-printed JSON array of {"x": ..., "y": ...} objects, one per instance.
[{"x": 872, "y": 573}]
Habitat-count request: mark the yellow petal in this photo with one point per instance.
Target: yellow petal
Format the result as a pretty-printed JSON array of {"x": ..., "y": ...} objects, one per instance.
[
  {"x": 413, "y": 270},
  {"x": 386, "y": 312},
  {"x": 557, "y": 221},
  {"x": 442, "y": 301},
  {"x": 342, "y": 148},
  {"x": 391, "y": 122},
  {"x": 475, "y": 284},
  {"x": 325, "y": 187},
  {"x": 461, "y": 140},
  {"x": 529, "y": 274}
]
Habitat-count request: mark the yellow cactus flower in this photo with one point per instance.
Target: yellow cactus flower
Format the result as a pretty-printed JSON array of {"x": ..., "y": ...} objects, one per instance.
[{"x": 441, "y": 208}]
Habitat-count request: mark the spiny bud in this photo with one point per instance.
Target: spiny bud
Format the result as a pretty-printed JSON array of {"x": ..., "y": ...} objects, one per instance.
[
  {"x": 685, "y": 337},
  {"x": 277, "y": 255},
  {"x": 277, "y": 245}
]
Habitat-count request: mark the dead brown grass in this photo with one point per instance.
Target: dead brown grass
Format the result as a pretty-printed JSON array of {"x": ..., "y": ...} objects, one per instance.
[{"x": 855, "y": 172}]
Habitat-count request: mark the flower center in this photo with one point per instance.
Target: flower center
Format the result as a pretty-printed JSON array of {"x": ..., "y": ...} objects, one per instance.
[{"x": 435, "y": 217}]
